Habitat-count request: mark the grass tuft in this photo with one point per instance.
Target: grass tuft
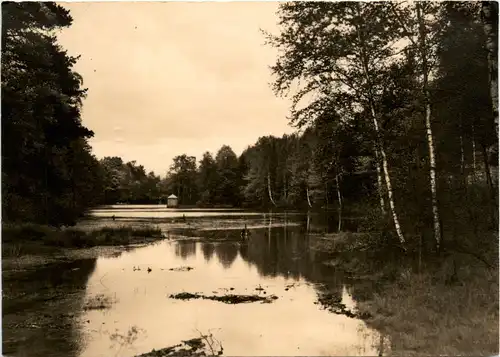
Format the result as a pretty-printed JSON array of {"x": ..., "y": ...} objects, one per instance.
[
  {"x": 99, "y": 302},
  {"x": 17, "y": 239},
  {"x": 431, "y": 314}
]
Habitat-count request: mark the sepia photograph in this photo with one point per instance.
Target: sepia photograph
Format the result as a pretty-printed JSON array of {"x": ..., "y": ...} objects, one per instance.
[{"x": 249, "y": 178}]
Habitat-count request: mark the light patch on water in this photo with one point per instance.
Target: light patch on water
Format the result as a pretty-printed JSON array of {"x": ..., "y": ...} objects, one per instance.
[
  {"x": 167, "y": 213},
  {"x": 291, "y": 325}
]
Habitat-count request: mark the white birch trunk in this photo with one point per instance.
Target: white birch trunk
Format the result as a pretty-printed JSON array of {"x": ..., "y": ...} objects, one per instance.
[
  {"x": 380, "y": 183},
  {"x": 269, "y": 231},
  {"x": 339, "y": 197},
  {"x": 390, "y": 195},
  {"x": 428, "y": 127},
  {"x": 432, "y": 174},
  {"x": 379, "y": 143},
  {"x": 308, "y": 200},
  {"x": 269, "y": 189},
  {"x": 388, "y": 184}
]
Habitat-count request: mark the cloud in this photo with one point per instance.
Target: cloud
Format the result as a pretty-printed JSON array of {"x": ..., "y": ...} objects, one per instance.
[{"x": 183, "y": 73}]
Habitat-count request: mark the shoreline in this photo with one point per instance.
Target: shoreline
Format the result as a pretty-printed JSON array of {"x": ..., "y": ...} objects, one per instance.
[{"x": 420, "y": 312}]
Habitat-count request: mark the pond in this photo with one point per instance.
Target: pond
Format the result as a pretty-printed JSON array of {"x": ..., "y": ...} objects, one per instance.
[{"x": 125, "y": 305}]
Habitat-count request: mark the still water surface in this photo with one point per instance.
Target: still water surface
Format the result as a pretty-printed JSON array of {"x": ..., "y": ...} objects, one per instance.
[
  {"x": 292, "y": 325},
  {"x": 274, "y": 259},
  {"x": 142, "y": 317}
]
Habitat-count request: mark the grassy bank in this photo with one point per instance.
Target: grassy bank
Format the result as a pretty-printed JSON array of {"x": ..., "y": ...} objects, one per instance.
[
  {"x": 423, "y": 303},
  {"x": 18, "y": 240},
  {"x": 429, "y": 314}
]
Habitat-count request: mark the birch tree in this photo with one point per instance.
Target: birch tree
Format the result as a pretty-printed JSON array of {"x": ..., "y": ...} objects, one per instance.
[
  {"x": 424, "y": 49},
  {"x": 337, "y": 51},
  {"x": 419, "y": 23},
  {"x": 261, "y": 171},
  {"x": 336, "y": 152}
]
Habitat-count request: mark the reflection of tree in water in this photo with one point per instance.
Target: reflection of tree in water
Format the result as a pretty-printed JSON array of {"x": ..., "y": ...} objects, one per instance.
[
  {"x": 208, "y": 250},
  {"x": 391, "y": 263},
  {"x": 50, "y": 299},
  {"x": 284, "y": 251},
  {"x": 185, "y": 249},
  {"x": 244, "y": 252},
  {"x": 226, "y": 253},
  {"x": 328, "y": 222}
]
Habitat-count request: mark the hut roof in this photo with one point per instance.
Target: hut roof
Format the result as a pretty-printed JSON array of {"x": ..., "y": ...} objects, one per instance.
[{"x": 172, "y": 196}]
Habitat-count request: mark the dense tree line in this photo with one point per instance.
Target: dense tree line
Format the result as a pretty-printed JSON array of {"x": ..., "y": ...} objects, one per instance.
[
  {"x": 396, "y": 106},
  {"x": 421, "y": 78},
  {"x": 49, "y": 174},
  {"x": 275, "y": 172},
  {"x": 128, "y": 182}
]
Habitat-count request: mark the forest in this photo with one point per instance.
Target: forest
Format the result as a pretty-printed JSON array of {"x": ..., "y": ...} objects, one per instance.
[
  {"x": 381, "y": 208},
  {"x": 395, "y": 105}
]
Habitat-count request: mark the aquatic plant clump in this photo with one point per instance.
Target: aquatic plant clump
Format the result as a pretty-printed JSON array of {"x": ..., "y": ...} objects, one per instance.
[
  {"x": 227, "y": 299},
  {"x": 23, "y": 234},
  {"x": 181, "y": 269},
  {"x": 206, "y": 345},
  {"x": 99, "y": 302},
  {"x": 334, "y": 304}
]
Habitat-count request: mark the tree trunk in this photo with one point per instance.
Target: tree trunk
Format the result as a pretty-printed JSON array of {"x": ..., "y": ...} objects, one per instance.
[
  {"x": 339, "y": 197},
  {"x": 489, "y": 14},
  {"x": 307, "y": 194},
  {"x": 487, "y": 172},
  {"x": 379, "y": 145},
  {"x": 428, "y": 127},
  {"x": 269, "y": 232},
  {"x": 390, "y": 195},
  {"x": 73, "y": 193},
  {"x": 284, "y": 187},
  {"x": 473, "y": 153},
  {"x": 489, "y": 180},
  {"x": 380, "y": 183},
  {"x": 45, "y": 194},
  {"x": 326, "y": 195},
  {"x": 381, "y": 345},
  {"x": 462, "y": 161},
  {"x": 269, "y": 188},
  {"x": 387, "y": 177},
  {"x": 308, "y": 222},
  {"x": 285, "y": 228}
]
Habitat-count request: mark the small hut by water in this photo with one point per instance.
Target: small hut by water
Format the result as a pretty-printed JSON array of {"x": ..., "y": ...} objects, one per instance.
[{"x": 172, "y": 201}]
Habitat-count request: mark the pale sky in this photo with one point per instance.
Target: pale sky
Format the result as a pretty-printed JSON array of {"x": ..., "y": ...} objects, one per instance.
[{"x": 171, "y": 78}]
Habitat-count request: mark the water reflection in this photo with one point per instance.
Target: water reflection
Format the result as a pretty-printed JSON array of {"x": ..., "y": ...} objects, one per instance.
[
  {"x": 329, "y": 222},
  {"x": 185, "y": 250},
  {"x": 208, "y": 251},
  {"x": 280, "y": 263},
  {"x": 226, "y": 253},
  {"x": 40, "y": 309},
  {"x": 277, "y": 252},
  {"x": 276, "y": 258},
  {"x": 141, "y": 317}
]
